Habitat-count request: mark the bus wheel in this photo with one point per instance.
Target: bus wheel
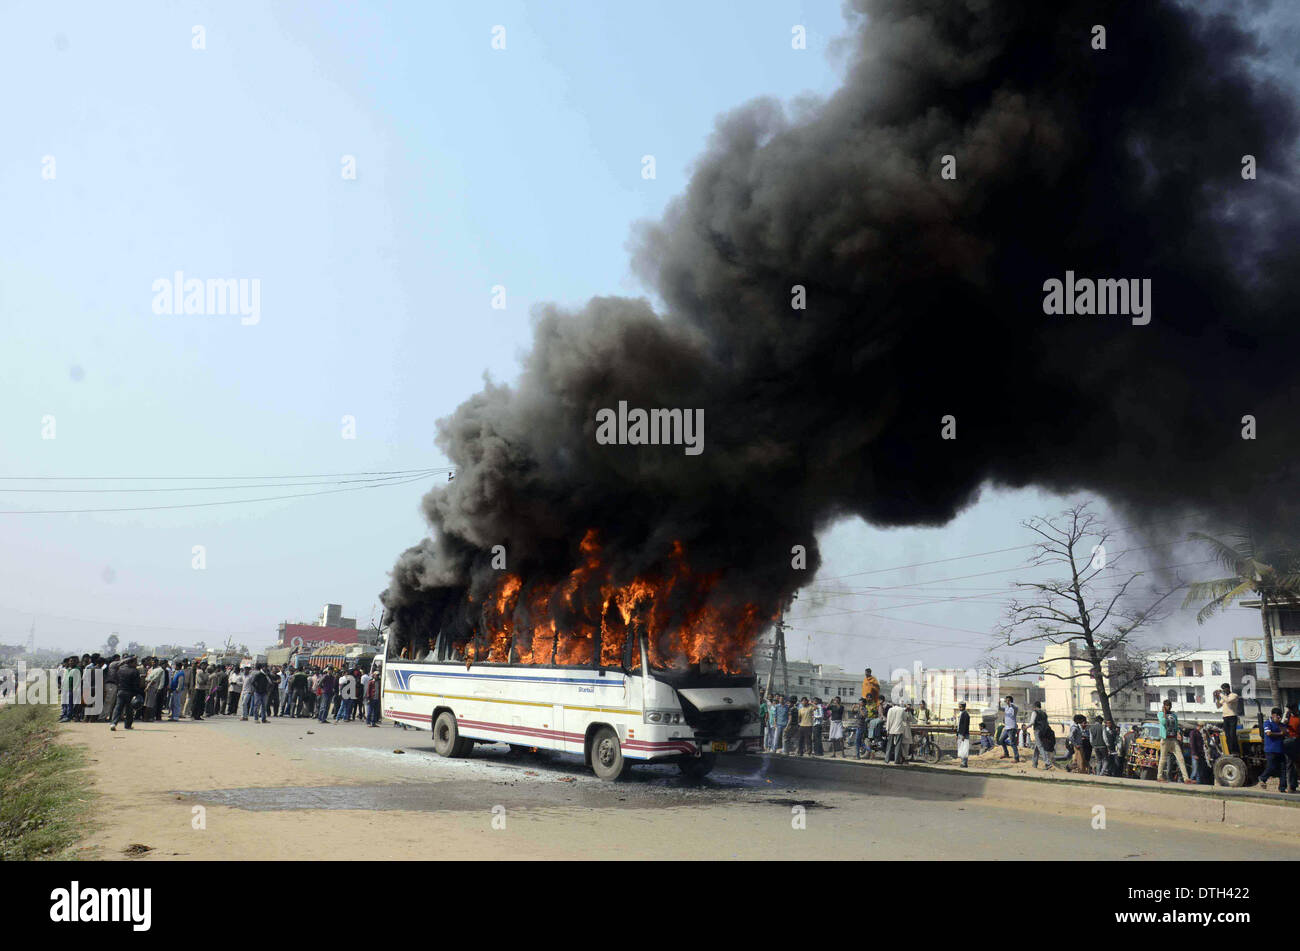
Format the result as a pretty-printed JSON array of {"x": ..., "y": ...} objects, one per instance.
[
  {"x": 607, "y": 754},
  {"x": 697, "y": 767},
  {"x": 1230, "y": 771},
  {"x": 446, "y": 736}
]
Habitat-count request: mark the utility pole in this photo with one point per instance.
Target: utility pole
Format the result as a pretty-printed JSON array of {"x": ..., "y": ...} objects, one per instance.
[{"x": 778, "y": 648}]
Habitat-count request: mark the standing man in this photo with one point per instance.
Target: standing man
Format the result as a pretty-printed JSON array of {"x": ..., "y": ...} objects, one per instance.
[
  {"x": 199, "y": 694},
  {"x": 234, "y": 690},
  {"x": 326, "y": 688},
  {"x": 1200, "y": 768},
  {"x": 1169, "y": 743},
  {"x": 900, "y": 734},
  {"x": 1291, "y": 743},
  {"x": 128, "y": 685},
  {"x": 1228, "y": 709},
  {"x": 1100, "y": 752},
  {"x": 963, "y": 735},
  {"x": 1110, "y": 735},
  {"x": 69, "y": 689},
  {"x": 178, "y": 688},
  {"x": 1010, "y": 730},
  {"x": 836, "y": 714},
  {"x": 805, "y": 726},
  {"x": 865, "y": 715},
  {"x": 1275, "y": 759},
  {"x": 1039, "y": 729},
  {"x": 110, "y": 685},
  {"x": 791, "y": 736},
  {"x": 258, "y": 686},
  {"x": 347, "y": 695},
  {"x": 372, "y": 701}
]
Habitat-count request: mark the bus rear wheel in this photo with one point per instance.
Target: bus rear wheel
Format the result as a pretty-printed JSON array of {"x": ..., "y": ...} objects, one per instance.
[
  {"x": 607, "y": 760},
  {"x": 447, "y": 740},
  {"x": 697, "y": 767}
]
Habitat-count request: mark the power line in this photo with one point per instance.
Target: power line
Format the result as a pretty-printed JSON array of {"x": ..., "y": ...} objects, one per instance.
[
  {"x": 315, "y": 475},
  {"x": 996, "y": 551},
  {"x": 194, "y": 505},
  {"x": 377, "y": 480}
]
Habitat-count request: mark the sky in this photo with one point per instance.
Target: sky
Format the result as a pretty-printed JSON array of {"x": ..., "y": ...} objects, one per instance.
[{"x": 128, "y": 154}]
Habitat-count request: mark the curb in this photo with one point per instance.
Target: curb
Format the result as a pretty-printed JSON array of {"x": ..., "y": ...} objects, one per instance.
[{"x": 1194, "y": 804}]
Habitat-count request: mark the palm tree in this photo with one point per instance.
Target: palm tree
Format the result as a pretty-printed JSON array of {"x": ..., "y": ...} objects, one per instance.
[{"x": 1273, "y": 583}]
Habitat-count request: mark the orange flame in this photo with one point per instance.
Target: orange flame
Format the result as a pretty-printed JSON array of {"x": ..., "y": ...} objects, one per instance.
[{"x": 681, "y": 613}]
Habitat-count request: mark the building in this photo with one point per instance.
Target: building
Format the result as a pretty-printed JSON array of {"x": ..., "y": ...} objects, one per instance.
[
  {"x": 1284, "y": 624},
  {"x": 812, "y": 680},
  {"x": 330, "y": 628},
  {"x": 1191, "y": 679},
  {"x": 942, "y": 688},
  {"x": 1069, "y": 687},
  {"x": 332, "y": 616}
]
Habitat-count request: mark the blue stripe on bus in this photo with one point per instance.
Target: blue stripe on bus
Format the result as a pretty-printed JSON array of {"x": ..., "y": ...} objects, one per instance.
[{"x": 405, "y": 677}]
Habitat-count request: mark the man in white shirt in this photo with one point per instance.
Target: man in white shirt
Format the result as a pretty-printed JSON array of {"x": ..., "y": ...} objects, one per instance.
[
  {"x": 1228, "y": 709},
  {"x": 898, "y": 724},
  {"x": 347, "y": 696}
]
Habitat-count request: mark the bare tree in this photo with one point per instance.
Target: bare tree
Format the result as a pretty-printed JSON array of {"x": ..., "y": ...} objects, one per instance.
[{"x": 1093, "y": 603}]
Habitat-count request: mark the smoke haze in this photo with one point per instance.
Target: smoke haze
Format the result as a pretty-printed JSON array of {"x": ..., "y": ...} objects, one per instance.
[{"x": 924, "y": 299}]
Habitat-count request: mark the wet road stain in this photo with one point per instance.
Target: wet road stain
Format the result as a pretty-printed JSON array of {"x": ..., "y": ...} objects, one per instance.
[{"x": 530, "y": 781}]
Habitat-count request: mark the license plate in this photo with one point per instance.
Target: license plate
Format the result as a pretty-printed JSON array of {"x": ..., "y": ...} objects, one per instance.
[{"x": 719, "y": 746}]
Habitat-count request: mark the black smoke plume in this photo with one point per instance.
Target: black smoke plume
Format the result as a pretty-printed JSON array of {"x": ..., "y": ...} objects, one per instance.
[{"x": 924, "y": 299}]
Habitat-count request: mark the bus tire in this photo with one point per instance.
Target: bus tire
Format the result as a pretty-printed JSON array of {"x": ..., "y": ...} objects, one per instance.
[
  {"x": 446, "y": 735},
  {"x": 607, "y": 760},
  {"x": 697, "y": 767}
]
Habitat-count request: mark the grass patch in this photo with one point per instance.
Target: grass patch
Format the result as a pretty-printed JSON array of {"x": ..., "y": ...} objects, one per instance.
[{"x": 43, "y": 785}]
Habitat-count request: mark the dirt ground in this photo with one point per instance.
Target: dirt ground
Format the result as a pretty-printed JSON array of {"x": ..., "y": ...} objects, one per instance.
[{"x": 225, "y": 789}]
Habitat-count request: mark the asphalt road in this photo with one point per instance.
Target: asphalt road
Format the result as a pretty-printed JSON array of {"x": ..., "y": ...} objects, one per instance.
[{"x": 267, "y": 791}]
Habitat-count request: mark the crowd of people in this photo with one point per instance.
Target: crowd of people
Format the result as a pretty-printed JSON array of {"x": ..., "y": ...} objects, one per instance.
[
  {"x": 804, "y": 726},
  {"x": 120, "y": 689}
]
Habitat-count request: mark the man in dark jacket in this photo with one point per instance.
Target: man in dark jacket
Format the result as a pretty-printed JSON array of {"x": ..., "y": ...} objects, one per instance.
[
  {"x": 1038, "y": 727},
  {"x": 1111, "y": 736},
  {"x": 963, "y": 735},
  {"x": 202, "y": 680},
  {"x": 128, "y": 687},
  {"x": 327, "y": 685},
  {"x": 1100, "y": 753}
]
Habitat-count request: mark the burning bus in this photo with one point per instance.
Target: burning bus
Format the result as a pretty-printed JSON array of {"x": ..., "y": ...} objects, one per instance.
[{"x": 655, "y": 668}]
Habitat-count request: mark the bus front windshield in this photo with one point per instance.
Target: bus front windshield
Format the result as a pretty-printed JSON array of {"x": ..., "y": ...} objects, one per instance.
[{"x": 680, "y": 669}]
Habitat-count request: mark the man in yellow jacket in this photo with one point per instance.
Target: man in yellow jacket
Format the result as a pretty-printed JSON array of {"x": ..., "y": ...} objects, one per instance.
[{"x": 870, "y": 687}]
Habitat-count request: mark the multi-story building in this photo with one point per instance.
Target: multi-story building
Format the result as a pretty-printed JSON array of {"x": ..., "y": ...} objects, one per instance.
[
  {"x": 811, "y": 680},
  {"x": 1284, "y": 625},
  {"x": 1191, "y": 679},
  {"x": 1069, "y": 687}
]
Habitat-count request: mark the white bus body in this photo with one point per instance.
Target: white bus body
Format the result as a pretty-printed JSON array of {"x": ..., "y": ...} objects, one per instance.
[{"x": 608, "y": 715}]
